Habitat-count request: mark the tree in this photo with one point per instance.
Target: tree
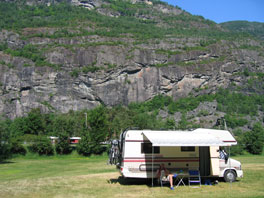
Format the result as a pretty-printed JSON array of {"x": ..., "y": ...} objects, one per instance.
[
  {"x": 5, "y": 152},
  {"x": 19, "y": 127},
  {"x": 183, "y": 123},
  {"x": 95, "y": 134},
  {"x": 170, "y": 123},
  {"x": 33, "y": 124},
  {"x": 16, "y": 147},
  {"x": 119, "y": 118},
  {"x": 98, "y": 128},
  {"x": 70, "y": 123},
  {"x": 84, "y": 146},
  {"x": 237, "y": 149},
  {"x": 42, "y": 146},
  {"x": 63, "y": 145},
  {"x": 254, "y": 139},
  {"x": 36, "y": 124},
  {"x": 143, "y": 121}
]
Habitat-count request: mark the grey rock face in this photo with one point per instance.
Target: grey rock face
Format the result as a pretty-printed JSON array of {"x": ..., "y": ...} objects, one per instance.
[
  {"x": 133, "y": 79},
  {"x": 93, "y": 70}
]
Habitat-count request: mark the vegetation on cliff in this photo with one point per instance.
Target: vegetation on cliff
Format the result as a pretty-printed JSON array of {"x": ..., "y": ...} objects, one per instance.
[
  {"x": 254, "y": 28},
  {"x": 140, "y": 22},
  {"x": 71, "y": 19}
]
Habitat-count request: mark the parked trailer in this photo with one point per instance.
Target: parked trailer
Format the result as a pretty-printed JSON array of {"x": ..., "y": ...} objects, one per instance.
[{"x": 139, "y": 153}]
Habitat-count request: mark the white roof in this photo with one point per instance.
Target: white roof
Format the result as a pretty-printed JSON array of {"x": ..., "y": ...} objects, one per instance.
[
  {"x": 198, "y": 137},
  {"x": 53, "y": 137},
  {"x": 75, "y": 138}
]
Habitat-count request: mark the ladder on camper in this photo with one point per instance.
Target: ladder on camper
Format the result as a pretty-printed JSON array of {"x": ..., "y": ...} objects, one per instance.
[{"x": 194, "y": 178}]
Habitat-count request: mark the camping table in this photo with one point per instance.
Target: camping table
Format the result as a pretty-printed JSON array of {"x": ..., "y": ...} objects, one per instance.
[{"x": 180, "y": 177}]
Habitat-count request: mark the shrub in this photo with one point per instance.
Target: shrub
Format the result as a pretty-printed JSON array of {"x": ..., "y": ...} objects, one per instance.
[
  {"x": 17, "y": 148},
  {"x": 84, "y": 147},
  {"x": 3, "y": 46},
  {"x": 97, "y": 121},
  {"x": 170, "y": 123},
  {"x": 233, "y": 121},
  {"x": 237, "y": 149},
  {"x": 91, "y": 138},
  {"x": 97, "y": 149},
  {"x": 42, "y": 146},
  {"x": 63, "y": 145},
  {"x": 4, "y": 139},
  {"x": 143, "y": 121},
  {"x": 74, "y": 73},
  {"x": 5, "y": 152},
  {"x": 254, "y": 139},
  {"x": 90, "y": 68}
]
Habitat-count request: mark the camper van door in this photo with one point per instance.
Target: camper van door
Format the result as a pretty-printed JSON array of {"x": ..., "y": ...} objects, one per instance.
[{"x": 214, "y": 154}]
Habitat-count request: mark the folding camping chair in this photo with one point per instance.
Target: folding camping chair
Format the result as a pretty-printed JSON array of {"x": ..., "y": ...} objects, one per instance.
[
  {"x": 163, "y": 178},
  {"x": 194, "y": 178}
]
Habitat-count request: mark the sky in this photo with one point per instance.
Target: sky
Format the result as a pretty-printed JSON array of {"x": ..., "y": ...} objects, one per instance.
[{"x": 223, "y": 10}]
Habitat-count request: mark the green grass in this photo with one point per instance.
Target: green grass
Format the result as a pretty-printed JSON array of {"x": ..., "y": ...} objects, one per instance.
[
  {"x": 77, "y": 176},
  {"x": 33, "y": 166}
]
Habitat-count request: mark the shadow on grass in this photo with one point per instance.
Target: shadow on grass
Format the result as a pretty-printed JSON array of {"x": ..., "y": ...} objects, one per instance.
[
  {"x": 7, "y": 162},
  {"x": 148, "y": 182},
  {"x": 133, "y": 181}
]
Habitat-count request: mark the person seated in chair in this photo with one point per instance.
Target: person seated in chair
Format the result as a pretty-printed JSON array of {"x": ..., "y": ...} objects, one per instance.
[{"x": 167, "y": 174}]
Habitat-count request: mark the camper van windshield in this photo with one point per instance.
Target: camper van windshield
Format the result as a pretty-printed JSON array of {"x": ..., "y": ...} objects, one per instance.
[{"x": 147, "y": 148}]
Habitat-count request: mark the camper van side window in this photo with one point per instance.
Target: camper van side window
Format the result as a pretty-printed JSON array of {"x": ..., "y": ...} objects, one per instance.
[
  {"x": 187, "y": 149},
  {"x": 147, "y": 148}
]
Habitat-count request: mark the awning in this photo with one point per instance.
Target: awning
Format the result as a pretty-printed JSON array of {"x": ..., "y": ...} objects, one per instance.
[{"x": 198, "y": 137}]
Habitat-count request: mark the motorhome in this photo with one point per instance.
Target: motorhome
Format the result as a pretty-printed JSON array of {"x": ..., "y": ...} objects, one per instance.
[{"x": 139, "y": 153}]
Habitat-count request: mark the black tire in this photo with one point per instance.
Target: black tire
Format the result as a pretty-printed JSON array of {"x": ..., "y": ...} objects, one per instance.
[{"x": 230, "y": 176}]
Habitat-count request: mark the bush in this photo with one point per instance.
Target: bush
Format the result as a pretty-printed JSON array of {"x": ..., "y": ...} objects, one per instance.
[
  {"x": 97, "y": 132},
  {"x": 87, "y": 148},
  {"x": 3, "y": 46},
  {"x": 143, "y": 121},
  {"x": 42, "y": 146},
  {"x": 254, "y": 139},
  {"x": 33, "y": 124},
  {"x": 237, "y": 149},
  {"x": 4, "y": 151},
  {"x": 17, "y": 148},
  {"x": 97, "y": 149},
  {"x": 4, "y": 140},
  {"x": 63, "y": 145},
  {"x": 233, "y": 121},
  {"x": 97, "y": 121},
  {"x": 84, "y": 147}
]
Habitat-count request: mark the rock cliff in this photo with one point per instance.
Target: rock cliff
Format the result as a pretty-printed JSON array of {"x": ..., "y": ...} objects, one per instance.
[{"x": 83, "y": 71}]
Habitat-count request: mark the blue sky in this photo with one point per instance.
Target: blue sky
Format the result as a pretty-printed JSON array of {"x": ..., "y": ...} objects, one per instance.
[{"x": 223, "y": 10}]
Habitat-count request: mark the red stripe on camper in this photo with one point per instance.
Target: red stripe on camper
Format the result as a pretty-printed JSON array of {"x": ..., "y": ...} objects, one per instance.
[
  {"x": 145, "y": 141},
  {"x": 161, "y": 160}
]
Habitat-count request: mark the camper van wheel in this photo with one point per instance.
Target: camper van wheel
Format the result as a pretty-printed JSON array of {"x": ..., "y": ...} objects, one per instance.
[{"x": 230, "y": 176}]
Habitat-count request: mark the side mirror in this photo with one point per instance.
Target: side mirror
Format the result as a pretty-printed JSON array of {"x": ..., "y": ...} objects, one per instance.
[{"x": 226, "y": 158}]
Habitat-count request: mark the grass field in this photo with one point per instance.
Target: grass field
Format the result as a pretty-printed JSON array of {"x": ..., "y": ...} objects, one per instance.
[{"x": 76, "y": 176}]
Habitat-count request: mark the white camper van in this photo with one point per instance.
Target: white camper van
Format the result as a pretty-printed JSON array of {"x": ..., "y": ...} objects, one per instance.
[{"x": 139, "y": 153}]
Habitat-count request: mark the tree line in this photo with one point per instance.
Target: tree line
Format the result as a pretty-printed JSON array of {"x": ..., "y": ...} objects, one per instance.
[{"x": 106, "y": 123}]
